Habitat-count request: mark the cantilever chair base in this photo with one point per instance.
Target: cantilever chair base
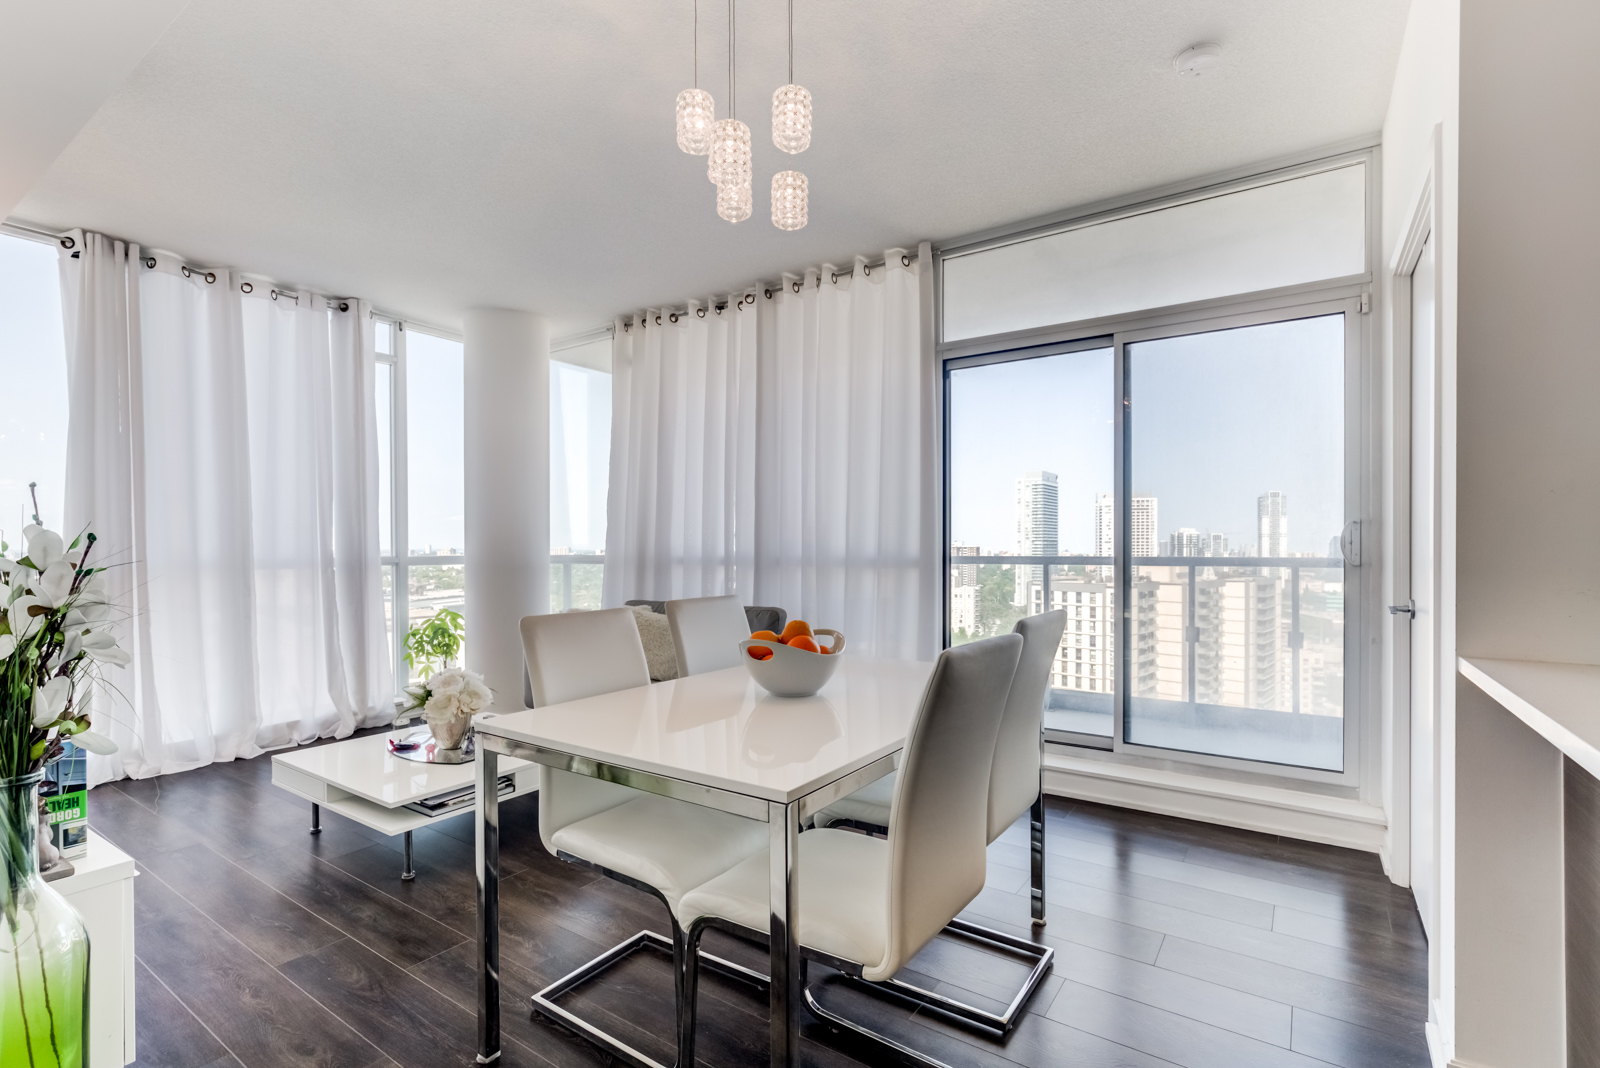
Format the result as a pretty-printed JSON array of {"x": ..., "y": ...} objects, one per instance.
[{"x": 543, "y": 1002}]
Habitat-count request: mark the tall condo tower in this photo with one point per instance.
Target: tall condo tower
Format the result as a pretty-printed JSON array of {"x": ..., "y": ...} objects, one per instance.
[
  {"x": 1272, "y": 524},
  {"x": 1105, "y": 528},
  {"x": 1038, "y": 522}
]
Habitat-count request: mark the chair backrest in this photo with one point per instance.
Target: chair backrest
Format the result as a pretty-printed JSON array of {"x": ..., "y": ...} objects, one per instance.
[
  {"x": 939, "y": 820},
  {"x": 1014, "y": 778},
  {"x": 707, "y": 632},
  {"x": 572, "y": 656},
  {"x": 579, "y": 654}
]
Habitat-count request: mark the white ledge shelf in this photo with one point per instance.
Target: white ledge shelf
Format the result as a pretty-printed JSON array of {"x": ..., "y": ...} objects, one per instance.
[{"x": 1559, "y": 701}]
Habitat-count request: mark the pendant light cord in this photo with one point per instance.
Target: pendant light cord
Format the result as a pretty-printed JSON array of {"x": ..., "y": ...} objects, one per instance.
[
  {"x": 697, "y": 44},
  {"x": 791, "y": 42},
  {"x": 732, "y": 113}
]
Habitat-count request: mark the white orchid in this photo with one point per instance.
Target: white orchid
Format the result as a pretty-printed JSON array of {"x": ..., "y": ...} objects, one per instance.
[
  {"x": 27, "y": 614},
  {"x": 101, "y": 645},
  {"x": 50, "y": 700},
  {"x": 54, "y": 584},
  {"x": 45, "y": 547},
  {"x": 8, "y": 645},
  {"x": 95, "y": 742}
]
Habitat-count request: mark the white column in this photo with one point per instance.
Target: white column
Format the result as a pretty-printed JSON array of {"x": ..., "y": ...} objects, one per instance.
[{"x": 507, "y": 491}]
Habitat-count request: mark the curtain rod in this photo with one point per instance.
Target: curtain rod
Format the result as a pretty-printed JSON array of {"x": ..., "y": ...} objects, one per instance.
[{"x": 674, "y": 313}]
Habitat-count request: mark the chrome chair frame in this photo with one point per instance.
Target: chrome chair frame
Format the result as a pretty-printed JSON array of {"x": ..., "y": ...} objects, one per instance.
[
  {"x": 543, "y": 1002},
  {"x": 959, "y": 1012},
  {"x": 1043, "y": 956}
]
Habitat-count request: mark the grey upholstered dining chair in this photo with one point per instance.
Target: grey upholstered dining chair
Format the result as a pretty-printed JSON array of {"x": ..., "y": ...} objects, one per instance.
[
  {"x": 867, "y": 905},
  {"x": 707, "y": 632},
  {"x": 653, "y": 843},
  {"x": 1016, "y": 787}
]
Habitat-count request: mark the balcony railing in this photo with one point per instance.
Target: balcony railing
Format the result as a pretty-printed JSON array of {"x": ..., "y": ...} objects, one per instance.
[{"x": 561, "y": 581}]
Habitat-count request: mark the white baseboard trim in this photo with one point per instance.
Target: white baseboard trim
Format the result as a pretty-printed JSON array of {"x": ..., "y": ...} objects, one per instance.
[{"x": 1272, "y": 810}]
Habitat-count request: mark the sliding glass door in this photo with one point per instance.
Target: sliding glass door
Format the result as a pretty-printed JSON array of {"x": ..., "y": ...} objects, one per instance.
[
  {"x": 1236, "y": 464},
  {"x": 1195, "y": 542},
  {"x": 1031, "y": 439}
]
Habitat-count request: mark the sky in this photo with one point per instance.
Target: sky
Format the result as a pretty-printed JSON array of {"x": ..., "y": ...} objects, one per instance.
[
  {"x": 435, "y": 424},
  {"x": 33, "y": 370},
  {"x": 1217, "y": 420}
]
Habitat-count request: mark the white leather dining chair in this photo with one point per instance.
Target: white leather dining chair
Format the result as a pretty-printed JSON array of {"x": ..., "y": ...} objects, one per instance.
[
  {"x": 867, "y": 905},
  {"x": 707, "y": 632},
  {"x": 1016, "y": 786},
  {"x": 656, "y": 844}
]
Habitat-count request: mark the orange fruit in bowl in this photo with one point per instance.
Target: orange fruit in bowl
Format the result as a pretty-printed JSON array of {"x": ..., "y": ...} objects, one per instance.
[
  {"x": 804, "y": 641},
  {"x": 797, "y": 628},
  {"x": 760, "y": 652},
  {"x": 766, "y": 636}
]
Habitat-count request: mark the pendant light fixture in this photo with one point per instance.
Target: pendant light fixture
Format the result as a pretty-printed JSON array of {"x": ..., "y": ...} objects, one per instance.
[
  {"x": 789, "y": 200},
  {"x": 696, "y": 110},
  {"x": 736, "y": 201},
  {"x": 729, "y": 164},
  {"x": 791, "y": 107}
]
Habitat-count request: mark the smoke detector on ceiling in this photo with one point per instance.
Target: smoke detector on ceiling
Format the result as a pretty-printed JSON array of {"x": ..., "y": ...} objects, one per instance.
[{"x": 1197, "y": 59}]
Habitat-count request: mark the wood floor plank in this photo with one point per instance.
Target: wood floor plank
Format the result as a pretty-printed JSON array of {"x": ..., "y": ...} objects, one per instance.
[
  {"x": 1396, "y": 1012},
  {"x": 166, "y": 1034},
  {"x": 373, "y": 918},
  {"x": 262, "y": 1017},
  {"x": 1346, "y": 1044},
  {"x": 1159, "y": 1033},
  {"x": 271, "y": 925},
  {"x": 1257, "y": 1017},
  {"x": 1040, "y": 1042},
  {"x": 415, "y": 1025},
  {"x": 135, "y": 829}
]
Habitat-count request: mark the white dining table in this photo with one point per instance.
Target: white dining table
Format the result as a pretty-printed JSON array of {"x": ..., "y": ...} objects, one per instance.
[{"x": 715, "y": 739}]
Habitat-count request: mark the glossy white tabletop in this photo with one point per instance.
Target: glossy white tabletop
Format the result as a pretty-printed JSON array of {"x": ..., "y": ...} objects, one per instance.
[
  {"x": 366, "y": 768},
  {"x": 721, "y": 730}
]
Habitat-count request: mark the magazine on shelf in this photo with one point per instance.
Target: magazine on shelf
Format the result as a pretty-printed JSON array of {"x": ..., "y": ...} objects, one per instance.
[{"x": 459, "y": 798}]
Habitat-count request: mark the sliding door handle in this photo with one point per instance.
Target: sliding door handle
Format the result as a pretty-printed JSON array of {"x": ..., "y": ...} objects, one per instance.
[{"x": 1407, "y": 609}]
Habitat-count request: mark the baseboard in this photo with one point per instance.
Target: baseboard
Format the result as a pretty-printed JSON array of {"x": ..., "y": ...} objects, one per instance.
[{"x": 1269, "y": 809}]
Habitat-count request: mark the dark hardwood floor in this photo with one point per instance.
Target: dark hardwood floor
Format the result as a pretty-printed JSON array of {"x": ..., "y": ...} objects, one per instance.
[{"x": 1176, "y": 943}]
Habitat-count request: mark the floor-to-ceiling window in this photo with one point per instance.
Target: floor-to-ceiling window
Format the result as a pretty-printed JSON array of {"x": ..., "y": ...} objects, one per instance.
[
  {"x": 33, "y": 368},
  {"x": 421, "y": 434},
  {"x": 1153, "y": 420}
]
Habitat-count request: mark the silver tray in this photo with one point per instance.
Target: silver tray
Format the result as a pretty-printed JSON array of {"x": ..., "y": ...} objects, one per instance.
[{"x": 428, "y": 751}]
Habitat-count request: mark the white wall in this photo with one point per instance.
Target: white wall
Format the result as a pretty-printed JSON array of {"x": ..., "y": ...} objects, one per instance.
[{"x": 1421, "y": 139}]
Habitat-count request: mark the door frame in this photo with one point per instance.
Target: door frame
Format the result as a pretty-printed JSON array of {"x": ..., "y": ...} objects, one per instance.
[{"x": 1424, "y": 222}]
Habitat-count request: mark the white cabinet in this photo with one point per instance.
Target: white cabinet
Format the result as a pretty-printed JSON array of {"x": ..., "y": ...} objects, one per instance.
[{"x": 101, "y": 889}]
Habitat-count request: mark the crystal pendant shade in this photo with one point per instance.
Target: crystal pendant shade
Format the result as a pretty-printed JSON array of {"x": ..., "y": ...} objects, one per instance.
[
  {"x": 735, "y": 200},
  {"x": 791, "y": 118},
  {"x": 729, "y": 162},
  {"x": 789, "y": 196},
  {"x": 696, "y": 115}
]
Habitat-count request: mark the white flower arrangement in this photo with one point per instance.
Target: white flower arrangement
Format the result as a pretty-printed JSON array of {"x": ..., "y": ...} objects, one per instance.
[
  {"x": 449, "y": 695},
  {"x": 55, "y": 629}
]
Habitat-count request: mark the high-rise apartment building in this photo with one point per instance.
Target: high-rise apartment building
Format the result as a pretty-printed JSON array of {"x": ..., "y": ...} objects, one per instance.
[
  {"x": 1272, "y": 524},
  {"x": 1084, "y": 661},
  {"x": 1216, "y": 545},
  {"x": 1038, "y": 523},
  {"x": 1105, "y": 528},
  {"x": 963, "y": 573},
  {"x": 1142, "y": 541},
  {"x": 1186, "y": 541}
]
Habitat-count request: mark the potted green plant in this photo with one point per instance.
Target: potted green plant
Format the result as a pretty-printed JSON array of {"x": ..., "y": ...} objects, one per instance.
[
  {"x": 434, "y": 644},
  {"x": 55, "y": 631}
]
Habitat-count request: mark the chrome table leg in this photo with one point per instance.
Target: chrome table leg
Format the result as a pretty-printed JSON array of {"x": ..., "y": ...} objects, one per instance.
[
  {"x": 408, "y": 874},
  {"x": 1036, "y": 848},
  {"x": 486, "y": 841},
  {"x": 783, "y": 858},
  {"x": 316, "y": 818}
]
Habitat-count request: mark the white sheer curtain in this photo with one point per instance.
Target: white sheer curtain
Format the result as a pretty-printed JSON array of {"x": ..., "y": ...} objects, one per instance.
[
  {"x": 580, "y": 435},
  {"x": 223, "y": 447},
  {"x": 681, "y": 516},
  {"x": 822, "y": 500}
]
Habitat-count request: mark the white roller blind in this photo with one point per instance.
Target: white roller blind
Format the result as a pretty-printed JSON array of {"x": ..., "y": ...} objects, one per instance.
[{"x": 1286, "y": 233}]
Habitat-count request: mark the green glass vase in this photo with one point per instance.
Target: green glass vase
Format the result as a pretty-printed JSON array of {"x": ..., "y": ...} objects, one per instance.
[{"x": 44, "y": 947}]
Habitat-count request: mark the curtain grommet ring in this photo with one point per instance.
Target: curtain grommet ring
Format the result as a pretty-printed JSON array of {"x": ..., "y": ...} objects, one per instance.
[
  {"x": 67, "y": 242},
  {"x": 866, "y": 271},
  {"x": 905, "y": 261},
  {"x": 658, "y": 320},
  {"x": 700, "y": 313},
  {"x": 768, "y": 292},
  {"x": 344, "y": 305},
  {"x": 186, "y": 272},
  {"x": 246, "y": 287},
  {"x": 274, "y": 294},
  {"x": 150, "y": 262},
  {"x": 211, "y": 277},
  {"x": 835, "y": 277},
  {"x": 795, "y": 286},
  {"x": 673, "y": 317}
]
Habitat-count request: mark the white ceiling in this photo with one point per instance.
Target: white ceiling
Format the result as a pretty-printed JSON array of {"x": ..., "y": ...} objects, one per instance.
[{"x": 434, "y": 157}]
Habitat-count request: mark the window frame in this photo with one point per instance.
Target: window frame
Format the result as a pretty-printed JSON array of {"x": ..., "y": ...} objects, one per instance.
[{"x": 1351, "y": 296}]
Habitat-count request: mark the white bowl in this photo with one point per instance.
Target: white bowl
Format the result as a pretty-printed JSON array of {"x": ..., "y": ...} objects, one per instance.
[{"x": 793, "y": 672}]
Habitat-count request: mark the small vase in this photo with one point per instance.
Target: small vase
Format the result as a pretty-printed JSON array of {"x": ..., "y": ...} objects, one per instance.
[
  {"x": 44, "y": 947},
  {"x": 450, "y": 731}
]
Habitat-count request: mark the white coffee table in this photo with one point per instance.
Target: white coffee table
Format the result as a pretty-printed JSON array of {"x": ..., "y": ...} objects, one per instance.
[{"x": 360, "y": 779}]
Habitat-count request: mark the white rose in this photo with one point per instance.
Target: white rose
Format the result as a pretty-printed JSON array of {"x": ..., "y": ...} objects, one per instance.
[
  {"x": 446, "y": 683},
  {"x": 443, "y": 706}
]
